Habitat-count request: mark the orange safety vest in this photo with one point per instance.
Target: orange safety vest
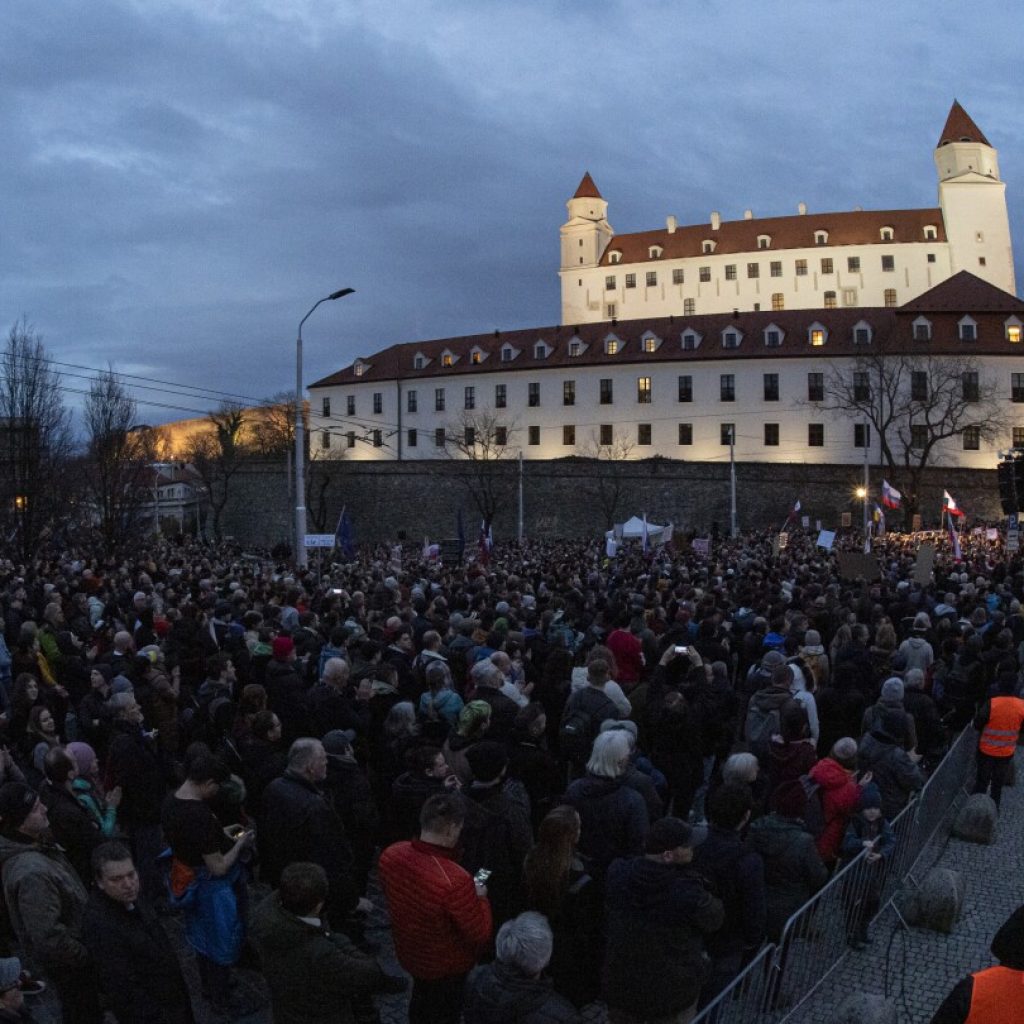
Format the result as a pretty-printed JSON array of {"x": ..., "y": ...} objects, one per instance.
[
  {"x": 999, "y": 737},
  {"x": 997, "y": 996}
]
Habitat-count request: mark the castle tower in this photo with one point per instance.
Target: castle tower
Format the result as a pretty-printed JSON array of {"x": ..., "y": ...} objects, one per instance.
[
  {"x": 973, "y": 202},
  {"x": 585, "y": 235}
]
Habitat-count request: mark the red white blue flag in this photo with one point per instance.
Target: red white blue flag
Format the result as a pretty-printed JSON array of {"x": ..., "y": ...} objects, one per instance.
[
  {"x": 891, "y": 498},
  {"x": 949, "y": 505}
]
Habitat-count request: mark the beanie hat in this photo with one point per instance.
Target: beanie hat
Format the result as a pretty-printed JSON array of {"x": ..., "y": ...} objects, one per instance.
[
  {"x": 668, "y": 834},
  {"x": 487, "y": 760},
  {"x": 470, "y": 717},
  {"x": 892, "y": 689},
  {"x": 121, "y": 684},
  {"x": 104, "y": 670},
  {"x": 812, "y": 642},
  {"x": 870, "y": 796},
  {"x": 16, "y": 803},
  {"x": 922, "y": 621},
  {"x": 82, "y": 754},
  {"x": 620, "y": 724},
  {"x": 773, "y": 658},
  {"x": 283, "y": 646},
  {"x": 338, "y": 742}
]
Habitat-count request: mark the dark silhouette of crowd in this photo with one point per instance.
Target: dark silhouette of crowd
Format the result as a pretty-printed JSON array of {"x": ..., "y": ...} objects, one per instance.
[{"x": 565, "y": 778}]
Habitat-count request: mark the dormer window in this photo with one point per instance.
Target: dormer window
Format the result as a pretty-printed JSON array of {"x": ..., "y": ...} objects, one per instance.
[
  {"x": 477, "y": 356},
  {"x": 731, "y": 338},
  {"x": 359, "y": 368},
  {"x": 922, "y": 329},
  {"x": 540, "y": 350},
  {"x": 576, "y": 347},
  {"x": 650, "y": 343},
  {"x": 447, "y": 359},
  {"x": 655, "y": 251},
  {"x": 821, "y": 238},
  {"x": 508, "y": 353},
  {"x": 862, "y": 333},
  {"x": 707, "y": 246},
  {"x": 967, "y": 329},
  {"x": 690, "y": 339},
  {"x": 615, "y": 256},
  {"x": 1013, "y": 326},
  {"x": 418, "y": 361},
  {"x": 886, "y": 234},
  {"x": 612, "y": 345},
  {"x": 930, "y": 233},
  {"x": 773, "y": 336},
  {"x": 817, "y": 335},
  {"x": 764, "y": 241}
]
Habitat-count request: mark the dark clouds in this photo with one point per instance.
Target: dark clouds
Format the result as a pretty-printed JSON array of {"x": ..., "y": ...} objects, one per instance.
[{"x": 183, "y": 178}]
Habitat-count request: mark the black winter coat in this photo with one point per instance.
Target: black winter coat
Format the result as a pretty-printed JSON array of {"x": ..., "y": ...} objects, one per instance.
[
  {"x": 500, "y": 994},
  {"x": 134, "y": 764}
]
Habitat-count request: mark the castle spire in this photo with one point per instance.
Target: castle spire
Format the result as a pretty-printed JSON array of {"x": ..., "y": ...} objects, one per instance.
[
  {"x": 588, "y": 190},
  {"x": 959, "y": 128}
]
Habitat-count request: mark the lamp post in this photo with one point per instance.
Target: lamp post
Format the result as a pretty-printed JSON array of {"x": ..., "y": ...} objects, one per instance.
[{"x": 300, "y": 446}]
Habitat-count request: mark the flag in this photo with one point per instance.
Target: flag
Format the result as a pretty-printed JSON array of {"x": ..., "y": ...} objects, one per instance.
[
  {"x": 955, "y": 540},
  {"x": 343, "y": 537},
  {"x": 646, "y": 536},
  {"x": 880, "y": 519},
  {"x": 794, "y": 510},
  {"x": 486, "y": 542},
  {"x": 891, "y": 498},
  {"x": 461, "y": 530},
  {"x": 426, "y": 548},
  {"x": 949, "y": 505}
]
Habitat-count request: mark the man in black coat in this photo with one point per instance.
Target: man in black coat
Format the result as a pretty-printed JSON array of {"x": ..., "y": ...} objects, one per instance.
[
  {"x": 71, "y": 824},
  {"x": 136, "y": 965}
]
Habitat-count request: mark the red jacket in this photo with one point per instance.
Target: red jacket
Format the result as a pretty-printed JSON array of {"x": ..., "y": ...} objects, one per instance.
[
  {"x": 439, "y": 923},
  {"x": 840, "y": 797}
]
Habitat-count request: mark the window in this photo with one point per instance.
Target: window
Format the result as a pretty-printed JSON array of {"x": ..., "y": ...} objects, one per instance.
[
  {"x": 411, "y": 437},
  {"x": 771, "y": 387},
  {"x": 418, "y": 362},
  {"x": 350, "y": 405},
  {"x": 827, "y": 266},
  {"x": 470, "y": 397},
  {"x": 931, "y": 257},
  {"x": 359, "y": 369},
  {"x": 568, "y": 392},
  {"x": 569, "y": 434},
  {"x": 821, "y": 238},
  {"x": 501, "y": 436},
  {"x": 772, "y": 337},
  {"x": 476, "y": 357},
  {"x": 861, "y": 386},
  {"x": 350, "y": 439},
  {"x": 686, "y": 433},
  {"x": 507, "y": 354},
  {"x": 918, "y": 386},
  {"x": 650, "y": 345},
  {"x": 1018, "y": 437},
  {"x": 725, "y": 433},
  {"x": 888, "y": 264},
  {"x": 922, "y": 330},
  {"x": 615, "y": 257},
  {"x": 643, "y": 433},
  {"x": 778, "y": 301},
  {"x": 704, "y": 273},
  {"x": 689, "y": 307},
  {"x": 727, "y": 387},
  {"x": 325, "y": 405},
  {"x": 1017, "y": 387},
  {"x": 652, "y": 278},
  {"x": 764, "y": 241},
  {"x": 325, "y": 439},
  {"x": 1013, "y": 333},
  {"x": 968, "y": 330},
  {"x": 605, "y": 434},
  {"x": 771, "y": 435},
  {"x": 853, "y": 264},
  {"x": 815, "y": 435},
  {"x": 862, "y": 435},
  {"x": 631, "y": 280},
  {"x": 801, "y": 268},
  {"x": 972, "y": 439},
  {"x": 918, "y": 435},
  {"x": 609, "y": 283},
  {"x": 438, "y": 399},
  {"x": 890, "y": 298},
  {"x": 605, "y": 391},
  {"x": 969, "y": 380},
  {"x": 730, "y": 339},
  {"x": 500, "y": 396},
  {"x": 982, "y": 261},
  {"x": 378, "y": 438},
  {"x": 830, "y": 300},
  {"x": 730, "y": 272},
  {"x": 411, "y": 401},
  {"x": 686, "y": 388},
  {"x": 611, "y": 346},
  {"x": 816, "y": 336},
  {"x": 540, "y": 350},
  {"x": 378, "y": 402},
  {"x": 439, "y": 437},
  {"x": 575, "y": 348},
  {"x": 447, "y": 359},
  {"x": 707, "y": 246},
  {"x": 533, "y": 395},
  {"x": 677, "y": 276},
  {"x": 611, "y": 311},
  {"x": 533, "y": 435},
  {"x": 886, "y": 234},
  {"x": 654, "y": 252},
  {"x": 930, "y": 234},
  {"x": 815, "y": 387},
  {"x": 849, "y": 296},
  {"x": 469, "y": 437},
  {"x": 753, "y": 270},
  {"x": 775, "y": 268},
  {"x": 643, "y": 390}
]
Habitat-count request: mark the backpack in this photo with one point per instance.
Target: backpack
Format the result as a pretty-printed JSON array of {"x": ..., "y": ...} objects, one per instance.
[
  {"x": 760, "y": 727},
  {"x": 581, "y": 722},
  {"x": 814, "y": 809}
]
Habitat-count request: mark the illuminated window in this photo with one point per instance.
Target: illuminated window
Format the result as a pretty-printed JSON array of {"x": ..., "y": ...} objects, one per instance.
[
  {"x": 817, "y": 338},
  {"x": 890, "y": 298},
  {"x": 643, "y": 390},
  {"x": 476, "y": 356},
  {"x": 446, "y": 359},
  {"x": 830, "y": 300},
  {"x": 778, "y": 301},
  {"x": 1013, "y": 333},
  {"x": 650, "y": 344},
  {"x": 611, "y": 347}
]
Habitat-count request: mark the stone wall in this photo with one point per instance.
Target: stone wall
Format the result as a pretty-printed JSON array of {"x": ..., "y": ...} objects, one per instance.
[{"x": 572, "y": 496}]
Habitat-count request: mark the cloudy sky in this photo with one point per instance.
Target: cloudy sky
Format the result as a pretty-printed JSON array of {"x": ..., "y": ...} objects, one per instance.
[{"x": 182, "y": 179}]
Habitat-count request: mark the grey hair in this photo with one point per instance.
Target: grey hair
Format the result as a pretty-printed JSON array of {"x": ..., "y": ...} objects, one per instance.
[
  {"x": 525, "y": 942},
  {"x": 302, "y": 752},
  {"x": 913, "y": 679},
  {"x": 486, "y": 673},
  {"x": 845, "y": 750},
  {"x": 120, "y": 702},
  {"x": 610, "y": 752},
  {"x": 740, "y": 768},
  {"x": 335, "y": 668}
]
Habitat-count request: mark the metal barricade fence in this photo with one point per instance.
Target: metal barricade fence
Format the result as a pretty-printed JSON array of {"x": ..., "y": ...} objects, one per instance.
[{"x": 748, "y": 997}]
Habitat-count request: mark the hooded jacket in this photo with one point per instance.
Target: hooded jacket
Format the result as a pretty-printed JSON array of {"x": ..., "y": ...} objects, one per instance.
[
  {"x": 613, "y": 819},
  {"x": 840, "y": 797},
  {"x": 895, "y": 774},
  {"x": 498, "y": 993}
]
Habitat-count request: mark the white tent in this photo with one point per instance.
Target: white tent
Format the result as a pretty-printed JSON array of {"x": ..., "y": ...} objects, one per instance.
[{"x": 634, "y": 529}]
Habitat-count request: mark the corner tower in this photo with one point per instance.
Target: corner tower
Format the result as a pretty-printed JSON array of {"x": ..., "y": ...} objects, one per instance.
[
  {"x": 973, "y": 201},
  {"x": 585, "y": 236}
]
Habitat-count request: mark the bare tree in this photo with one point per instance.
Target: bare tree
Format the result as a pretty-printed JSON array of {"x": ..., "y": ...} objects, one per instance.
[
  {"x": 271, "y": 426},
  {"x": 35, "y": 440},
  {"x": 216, "y": 457},
  {"x": 482, "y": 441},
  {"x": 916, "y": 405},
  {"x": 609, "y": 483}
]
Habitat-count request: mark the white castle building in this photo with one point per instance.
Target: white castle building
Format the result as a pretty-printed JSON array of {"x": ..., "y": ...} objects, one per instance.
[{"x": 673, "y": 342}]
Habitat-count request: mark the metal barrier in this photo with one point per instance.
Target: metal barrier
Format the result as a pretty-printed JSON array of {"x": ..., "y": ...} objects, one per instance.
[{"x": 748, "y": 997}]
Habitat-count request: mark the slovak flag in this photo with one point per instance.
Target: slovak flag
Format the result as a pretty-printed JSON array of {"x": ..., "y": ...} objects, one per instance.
[
  {"x": 486, "y": 542},
  {"x": 950, "y": 505},
  {"x": 794, "y": 510},
  {"x": 955, "y": 541},
  {"x": 891, "y": 498}
]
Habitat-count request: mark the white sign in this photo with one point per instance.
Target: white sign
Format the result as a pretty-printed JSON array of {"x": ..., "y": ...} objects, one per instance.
[
  {"x": 1012, "y": 540},
  {"x": 826, "y": 539},
  {"x": 701, "y": 546},
  {"x": 783, "y": 541},
  {"x": 805, "y": 522},
  {"x": 991, "y": 533},
  {"x": 319, "y": 540}
]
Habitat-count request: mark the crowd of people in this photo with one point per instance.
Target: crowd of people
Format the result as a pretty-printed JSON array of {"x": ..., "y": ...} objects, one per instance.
[{"x": 573, "y": 778}]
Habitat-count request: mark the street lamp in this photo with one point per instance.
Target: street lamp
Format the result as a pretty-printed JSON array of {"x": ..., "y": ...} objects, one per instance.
[{"x": 300, "y": 447}]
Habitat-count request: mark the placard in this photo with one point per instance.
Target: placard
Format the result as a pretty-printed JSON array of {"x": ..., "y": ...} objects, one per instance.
[
  {"x": 846, "y": 520},
  {"x": 319, "y": 540},
  {"x": 826, "y": 538},
  {"x": 701, "y": 546},
  {"x": 805, "y": 522},
  {"x": 924, "y": 564}
]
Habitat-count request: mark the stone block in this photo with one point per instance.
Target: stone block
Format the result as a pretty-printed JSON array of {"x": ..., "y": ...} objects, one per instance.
[
  {"x": 937, "y": 904},
  {"x": 976, "y": 820},
  {"x": 865, "y": 1008}
]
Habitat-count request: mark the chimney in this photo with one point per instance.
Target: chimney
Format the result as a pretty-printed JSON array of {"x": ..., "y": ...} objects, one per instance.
[
  {"x": 670, "y": 223},
  {"x": 716, "y": 220},
  {"x": 801, "y": 208},
  {"x": 858, "y": 209},
  {"x": 748, "y": 214}
]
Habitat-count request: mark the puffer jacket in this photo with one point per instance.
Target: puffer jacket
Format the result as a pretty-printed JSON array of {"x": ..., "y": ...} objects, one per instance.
[
  {"x": 840, "y": 797},
  {"x": 498, "y": 993},
  {"x": 439, "y": 923}
]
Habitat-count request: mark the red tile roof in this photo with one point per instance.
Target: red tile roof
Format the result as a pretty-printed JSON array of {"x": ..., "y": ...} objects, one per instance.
[
  {"x": 964, "y": 293},
  {"x": 587, "y": 189},
  {"x": 857, "y": 227},
  {"x": 960, "y": 128}
]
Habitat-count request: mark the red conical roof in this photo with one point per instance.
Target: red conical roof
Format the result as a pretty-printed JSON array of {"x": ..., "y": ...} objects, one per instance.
[
  {"x": 960, "y": 128},
  {"x": 587, "y": 189}
]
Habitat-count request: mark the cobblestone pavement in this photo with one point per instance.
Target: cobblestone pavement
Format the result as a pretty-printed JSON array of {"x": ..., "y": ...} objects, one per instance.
[{"x": 918, "y": 968}]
